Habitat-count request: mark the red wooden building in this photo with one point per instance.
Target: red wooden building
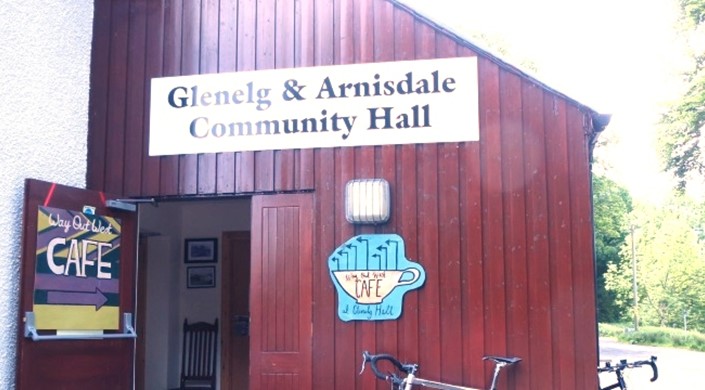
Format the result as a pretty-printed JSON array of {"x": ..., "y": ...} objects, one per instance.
[{"x": 502, "y": 225}]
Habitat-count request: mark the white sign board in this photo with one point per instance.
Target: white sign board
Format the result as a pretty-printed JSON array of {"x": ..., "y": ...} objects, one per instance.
[{"x": 401, "y": 102}]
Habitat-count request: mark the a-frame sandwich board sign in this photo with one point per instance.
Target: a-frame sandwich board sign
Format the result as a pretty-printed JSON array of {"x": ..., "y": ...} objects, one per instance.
[{"x": 77, "y": 290}]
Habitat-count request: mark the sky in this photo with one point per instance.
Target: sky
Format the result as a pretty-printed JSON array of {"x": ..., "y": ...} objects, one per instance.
[{"x": 618, "y": 57}]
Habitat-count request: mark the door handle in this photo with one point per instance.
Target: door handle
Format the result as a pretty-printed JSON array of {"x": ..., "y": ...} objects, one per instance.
[{"x": 241, "y": 325}]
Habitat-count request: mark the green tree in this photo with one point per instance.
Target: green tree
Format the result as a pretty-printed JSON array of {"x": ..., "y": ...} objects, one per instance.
[
  {"x": 670, "y": 265},
  {"x": 612, "y": 205},
  {"x": 681, "y": 131}
]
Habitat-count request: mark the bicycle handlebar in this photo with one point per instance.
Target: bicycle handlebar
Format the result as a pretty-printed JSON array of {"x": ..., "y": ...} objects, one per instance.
[
  {"x": 651, "y": 362},
  {"x": 623, "y": 364},
  {"x": 373, "y": 359}
]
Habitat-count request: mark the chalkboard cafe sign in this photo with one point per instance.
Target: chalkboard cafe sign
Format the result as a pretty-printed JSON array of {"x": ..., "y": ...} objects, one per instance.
[
  {"x": 77, "y": 276},
  {"x": 401, "y": 102}
]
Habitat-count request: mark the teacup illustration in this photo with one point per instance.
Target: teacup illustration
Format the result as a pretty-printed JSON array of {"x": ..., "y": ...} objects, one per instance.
[
  {"x": 371, "y": 275},
  {"x": 372, "y": 286}
]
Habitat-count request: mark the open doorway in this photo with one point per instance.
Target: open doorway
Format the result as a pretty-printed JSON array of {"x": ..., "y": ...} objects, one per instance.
[
  {"x": 235, "y": 302},
  {"x": 166, "y": 295}
]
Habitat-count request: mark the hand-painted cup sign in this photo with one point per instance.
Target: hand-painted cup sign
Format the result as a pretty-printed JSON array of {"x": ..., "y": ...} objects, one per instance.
[
  {"x": 371, "y": 274},
  {"x": 76, "y": 282}
]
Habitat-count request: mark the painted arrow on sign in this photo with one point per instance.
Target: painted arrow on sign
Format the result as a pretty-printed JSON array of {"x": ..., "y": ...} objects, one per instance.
[
  {"x": 75, "y": 284},
  {"x": 95, "y": 298}
]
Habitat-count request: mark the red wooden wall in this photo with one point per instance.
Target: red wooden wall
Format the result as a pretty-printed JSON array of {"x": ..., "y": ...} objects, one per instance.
[{"x": 502, "y": 226}]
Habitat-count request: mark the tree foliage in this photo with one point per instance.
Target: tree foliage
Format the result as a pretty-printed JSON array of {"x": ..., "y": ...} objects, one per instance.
[
  {"x": 693, "y": 11},
  {"x": 670, "y": 264},
  {"x": 681, "y": 137},
  {"x": 612, "y": 205},
  {"x": 681, "y": 134}
]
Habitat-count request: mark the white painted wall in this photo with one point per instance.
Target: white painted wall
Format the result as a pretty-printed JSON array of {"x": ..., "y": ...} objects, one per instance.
[
  {"x": 164, "y": 223},
  {"x": 209, "y": 220},
  {"x": 44, "y": 83},
  {"x": 157, "y": 348}
]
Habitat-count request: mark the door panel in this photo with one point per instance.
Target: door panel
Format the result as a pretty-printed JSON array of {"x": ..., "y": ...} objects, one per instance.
[
  {"x": 281, "y": 292},
  {"x": 74, "y": 364}
]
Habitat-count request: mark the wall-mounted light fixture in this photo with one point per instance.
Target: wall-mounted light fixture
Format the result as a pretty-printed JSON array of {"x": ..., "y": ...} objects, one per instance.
[{"x": 367, "y": 201}]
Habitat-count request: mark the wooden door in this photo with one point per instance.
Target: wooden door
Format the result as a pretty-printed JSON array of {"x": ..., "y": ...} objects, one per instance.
[
  {"x": 85, "y": 363},
  {"x": 235, "y": 300},
  {"x": 281, "y": 292}
]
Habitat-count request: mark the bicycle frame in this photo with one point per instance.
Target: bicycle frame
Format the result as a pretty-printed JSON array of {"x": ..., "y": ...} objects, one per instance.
[
  {"x": 620, "y": 384},
  {"x": 412, "y": 380}
]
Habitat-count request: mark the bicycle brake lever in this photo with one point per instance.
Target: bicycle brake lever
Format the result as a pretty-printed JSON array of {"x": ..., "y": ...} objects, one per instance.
[{"x": 364, "y": 360}]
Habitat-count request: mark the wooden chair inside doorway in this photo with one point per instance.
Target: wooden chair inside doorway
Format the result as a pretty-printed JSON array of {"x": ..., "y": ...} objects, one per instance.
[{"x": 199, "y": 355}]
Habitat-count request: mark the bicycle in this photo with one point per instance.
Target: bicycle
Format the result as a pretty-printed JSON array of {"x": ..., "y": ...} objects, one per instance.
[
  {"x": 623, "y": 365},
  {"x": 399, "y": 383}
]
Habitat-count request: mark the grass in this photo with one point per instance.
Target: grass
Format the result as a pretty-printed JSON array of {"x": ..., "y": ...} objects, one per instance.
[{"x": 655, "y": 336}]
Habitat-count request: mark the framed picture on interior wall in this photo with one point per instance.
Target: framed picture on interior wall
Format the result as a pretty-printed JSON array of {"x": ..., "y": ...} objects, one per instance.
[
  {"x": 200, "y": 277},
  {"x": 201, "y": 250}
]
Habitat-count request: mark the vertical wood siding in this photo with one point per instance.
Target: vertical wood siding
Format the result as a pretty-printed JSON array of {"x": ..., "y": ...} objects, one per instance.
[{"x": 502, "y": 226}]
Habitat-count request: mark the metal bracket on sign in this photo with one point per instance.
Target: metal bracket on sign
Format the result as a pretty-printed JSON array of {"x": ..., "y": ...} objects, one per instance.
[
  {"x": 30, "y": 331},
  {"x": 127, "y": 204}
]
